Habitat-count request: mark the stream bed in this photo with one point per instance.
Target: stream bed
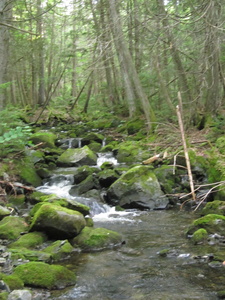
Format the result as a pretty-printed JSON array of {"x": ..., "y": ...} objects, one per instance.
[{"x": 136, "y": 270}]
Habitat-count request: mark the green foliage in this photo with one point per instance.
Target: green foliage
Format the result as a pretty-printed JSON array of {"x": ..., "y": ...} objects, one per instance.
[{"x": 14, "y": 134}]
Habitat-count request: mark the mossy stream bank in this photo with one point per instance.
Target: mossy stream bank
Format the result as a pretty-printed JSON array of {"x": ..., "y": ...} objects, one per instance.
[{"x": 128, "y": 184}]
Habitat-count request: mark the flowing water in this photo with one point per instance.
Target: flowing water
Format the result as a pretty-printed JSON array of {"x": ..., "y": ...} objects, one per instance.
[{"x": 136, "y": 271}]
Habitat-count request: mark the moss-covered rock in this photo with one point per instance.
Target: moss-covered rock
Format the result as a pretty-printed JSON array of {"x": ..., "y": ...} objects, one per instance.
[
  {"x": 59, "y": 250},
  {"x": 4, "y": 212},
  {"x": 81, "y": 173},
  {"x": 4, "y": 295},
  {"x": 29, "y": 240},
  {"x": 38, "y": 274},
  {"x": 137, "y": 188},
  {"x": 54, "y": 199},
  {"x": 199, "y": 236},
  {"x": 77, "y": 157},
  {"x": 17, "y": 200},
  {"x": 86, "y": 185},
  {"x": 11, "y": 227},
  {"x": 107, "y": 177},
  {"x": 13, "y": 281},
  {"x": 94, "y": 239},
  {"x": 26, "y": 170},
  {"x": 212, "y": 223},
  {"x": 214, "y": 207},
  {"x": 58, "y": 222},
  {"x": 131, "y": 152},
  {"x": 47, "y": 138},
  {"x": 31, "y": 255}
]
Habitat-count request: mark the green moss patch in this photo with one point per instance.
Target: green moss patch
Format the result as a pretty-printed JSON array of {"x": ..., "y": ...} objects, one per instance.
[
  {"x": 38, "y": 274},
  {"x": 12, "y": 227},
  {"x": 47, "y": 138},
  {"x": 199, "y": 236},
  {"x": 13, "y": 281},
  {"x": 93, "y": 239},
  {"x": 29, "y": 240},
  {"x": 214, "y": 207},
  {"x": 213, "y": 223},
  {"x": 59, "y": 250}
]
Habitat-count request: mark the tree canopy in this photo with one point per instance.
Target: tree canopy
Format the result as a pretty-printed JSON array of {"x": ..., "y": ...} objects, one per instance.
[{"x": 129, "y": 57}]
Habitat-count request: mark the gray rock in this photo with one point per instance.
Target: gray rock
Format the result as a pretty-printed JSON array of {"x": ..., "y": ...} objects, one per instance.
[
  {"x": 137, "y": 188},
  {"x": 20, "y": 295}
]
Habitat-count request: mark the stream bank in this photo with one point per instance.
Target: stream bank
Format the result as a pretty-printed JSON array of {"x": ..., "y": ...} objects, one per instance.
[{"x": 130, "y": 155}]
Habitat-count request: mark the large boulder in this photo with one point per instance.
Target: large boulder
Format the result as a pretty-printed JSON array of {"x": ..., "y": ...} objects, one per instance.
[
  {"x": 137, "y": 188},
  {"x": 58, "y": 222},
  {"x": 77, "y": 157}
]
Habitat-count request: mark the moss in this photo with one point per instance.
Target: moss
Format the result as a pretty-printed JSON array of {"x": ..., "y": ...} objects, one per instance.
[
  {"x": 29, "y": 240},
  {"x": 27, "y": 172},
  {"x": 164, "y": 252},
  {"x": 221, "y": 294},
  {"x": 214, "y": 207},
  {"x": 31, "y": 255},
  {"x": 18, "y": 200},
  {"x": 4, "y": 295},
  {"x": 97, "y": 239},
  {"x": 38, "y": 274},
  {"x": 11, "y": 227},
  {"x": 57, "y": 221},
  {"x": 59, "y": 250},
  {"x": 199, "y": 236},
  {"x": 211, "y": 222},
  {"x": 47, "y": 138},
  {"x": 77, "y": 157},
  {"x": 13, "y": 281}
]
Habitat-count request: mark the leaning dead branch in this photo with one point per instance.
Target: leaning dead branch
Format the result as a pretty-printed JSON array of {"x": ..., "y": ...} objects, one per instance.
[{"x": 179, "y": 115}]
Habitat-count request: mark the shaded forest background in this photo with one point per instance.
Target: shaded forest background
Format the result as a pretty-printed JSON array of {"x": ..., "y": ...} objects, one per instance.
[{"x": 128, "y": 57}]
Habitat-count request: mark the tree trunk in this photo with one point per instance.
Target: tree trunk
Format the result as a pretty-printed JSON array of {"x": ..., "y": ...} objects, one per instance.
[
  {"x": 41, "y": 70},
  {"x": 133, "y": 88},
  {"x": 5, "y": 13}
]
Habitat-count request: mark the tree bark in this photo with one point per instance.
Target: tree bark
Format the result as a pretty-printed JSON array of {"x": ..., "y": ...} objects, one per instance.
[{"x": 5, "y": 13}]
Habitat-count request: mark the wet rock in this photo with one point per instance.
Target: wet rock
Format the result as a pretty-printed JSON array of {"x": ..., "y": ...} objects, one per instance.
[
  {"x": 77, "y": 157},
  {"x": 213, "y": 223},
  {"x": 20, "y": 295},
  {"x": 137, "y": 188},
  {"x": 95, "y": 239},
  {"x": 59, "y": 250},
  {"x": 4, "y": 212},
  {"x": 58, "y": 222}
]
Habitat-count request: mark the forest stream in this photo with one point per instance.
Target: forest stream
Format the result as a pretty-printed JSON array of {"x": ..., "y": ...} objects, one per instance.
[{"x": 138, "y": 270}]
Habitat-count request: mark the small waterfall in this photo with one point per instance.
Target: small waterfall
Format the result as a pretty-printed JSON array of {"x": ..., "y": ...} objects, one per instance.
[
  {"x": 106, "y": 157},
  {"x": 104, "y": 142}
]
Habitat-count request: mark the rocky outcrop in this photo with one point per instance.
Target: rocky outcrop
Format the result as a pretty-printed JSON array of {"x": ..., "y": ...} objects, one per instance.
[{"x": 137, "y": 188}]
